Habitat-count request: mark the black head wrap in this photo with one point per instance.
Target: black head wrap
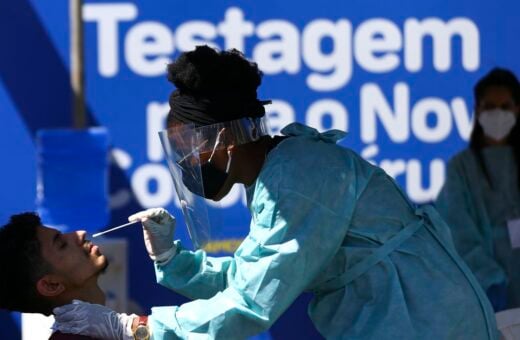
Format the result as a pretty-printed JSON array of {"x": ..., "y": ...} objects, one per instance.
[
  {"x": 213, "y": 87},
  {"x": 202, "y": 111}
]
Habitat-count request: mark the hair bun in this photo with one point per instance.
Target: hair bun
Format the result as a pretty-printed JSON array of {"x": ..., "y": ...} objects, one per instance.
[{"x": 207, "y": 73}]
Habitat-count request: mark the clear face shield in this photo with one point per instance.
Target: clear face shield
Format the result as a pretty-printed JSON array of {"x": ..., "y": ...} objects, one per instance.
[{"x": 190, "y": 153}]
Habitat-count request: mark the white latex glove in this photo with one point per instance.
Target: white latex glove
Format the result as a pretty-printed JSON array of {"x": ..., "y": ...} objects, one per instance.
[
  {"x": 93, "y": 320},
  {"x": 158, "y": 229}
]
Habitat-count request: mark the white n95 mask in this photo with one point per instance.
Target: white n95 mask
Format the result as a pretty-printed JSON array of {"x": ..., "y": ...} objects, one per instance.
[{"x": 497, "y": 123}]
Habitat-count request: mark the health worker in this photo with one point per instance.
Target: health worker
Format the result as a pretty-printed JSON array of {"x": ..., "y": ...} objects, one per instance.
[
  {"x": 480, "y": 199},
  {"x": 323, "y": 220}
]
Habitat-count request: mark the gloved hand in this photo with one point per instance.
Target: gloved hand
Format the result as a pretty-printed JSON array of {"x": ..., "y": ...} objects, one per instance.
[
  {"x": 93, "y": 320},
  {"x": 158, "y": 229}
]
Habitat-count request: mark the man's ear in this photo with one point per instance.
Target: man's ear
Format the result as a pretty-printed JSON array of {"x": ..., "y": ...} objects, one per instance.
[{"x": 50, "y": 286}]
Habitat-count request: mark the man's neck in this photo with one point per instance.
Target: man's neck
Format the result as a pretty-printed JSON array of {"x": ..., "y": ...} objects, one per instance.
[{"x": 87, "y": 293}]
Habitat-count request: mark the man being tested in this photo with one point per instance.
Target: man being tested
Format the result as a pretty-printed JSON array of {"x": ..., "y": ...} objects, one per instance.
[
  {"x": 323, "y": 220},
  {"x": 43, "y": 268}
]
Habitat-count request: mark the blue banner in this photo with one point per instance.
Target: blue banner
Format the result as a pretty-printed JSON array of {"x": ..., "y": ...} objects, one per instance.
[{"x": 397, "y": 76}]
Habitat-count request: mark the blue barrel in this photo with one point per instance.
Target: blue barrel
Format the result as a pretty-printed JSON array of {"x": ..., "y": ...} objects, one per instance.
[{"x": 72, "y": 180}]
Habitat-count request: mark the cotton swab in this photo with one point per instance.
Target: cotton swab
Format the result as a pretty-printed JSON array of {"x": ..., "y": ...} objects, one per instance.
[{"x": 115, "y": 228}]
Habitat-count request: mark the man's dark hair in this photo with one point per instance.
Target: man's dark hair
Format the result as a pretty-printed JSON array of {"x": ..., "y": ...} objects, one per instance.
[
  {"x": 497, "y": 77},
  {"x": 22, "y": 265}
]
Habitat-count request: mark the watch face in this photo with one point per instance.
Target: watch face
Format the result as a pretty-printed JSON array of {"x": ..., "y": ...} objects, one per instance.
[{"x": 141, "y": 333}]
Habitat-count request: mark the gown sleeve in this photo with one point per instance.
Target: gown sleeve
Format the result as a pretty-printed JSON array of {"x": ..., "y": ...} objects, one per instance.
[
  {"x": 293, "y": 235},
  {"x": 194, "y": 274}
]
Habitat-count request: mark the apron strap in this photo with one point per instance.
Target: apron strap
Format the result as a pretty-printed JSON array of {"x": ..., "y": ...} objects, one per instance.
[
  {"x": 430, "y": 219},
  {"x": 379, "y": 254},
  {"x": 434, "y": 220}
]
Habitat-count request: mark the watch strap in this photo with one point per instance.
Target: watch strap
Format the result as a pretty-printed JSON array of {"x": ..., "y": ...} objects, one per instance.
[
  {"x": 142, "y": 331},
  {"x": 143, "y": 320}
]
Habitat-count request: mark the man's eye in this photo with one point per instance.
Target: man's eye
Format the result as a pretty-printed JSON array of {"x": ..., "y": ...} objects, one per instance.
[{"x": 62, "y": 243}]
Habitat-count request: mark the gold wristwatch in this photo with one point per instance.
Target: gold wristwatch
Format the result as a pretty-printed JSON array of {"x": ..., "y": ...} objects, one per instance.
[{"x": 142, "y": 331}]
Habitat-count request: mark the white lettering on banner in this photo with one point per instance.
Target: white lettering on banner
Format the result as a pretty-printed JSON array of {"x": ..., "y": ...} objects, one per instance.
[
  {"x": 393, "y": 168},
  {"x": 148, "y": 46},
  {"x": 412, "y": 169},
  {"x": 193, "y": 33},
  {"x": 325, "y": 53},
  {"x": 338, "y": 63},
  {"x": 442, "y": 34},
  {"x": 278, "y": 55},
  {"x": 463, "y": 120},
  {"x": 438, "y": 108},
  {"x": 327, "y": 107},
  {"x": 156, "y": 114},
  {"x": 369, "y": 152},
  {"x": 375, "y": 45},
  {"x": 107, "y": 16},
  {"x": 373, "y": 38},
  {"x": 395, "y": 122},
  {"x": 373, "y": 104},
  {"x": 121, "y": 158},
  {"x": 414, "y": 188},
  {"x": 375, "y": 107},
  {"x": 122, "y": 196},
  {"x": 279, "y": 114},
  {"x": 146, "y": 175},
  {"x": 235, "y": 29}
]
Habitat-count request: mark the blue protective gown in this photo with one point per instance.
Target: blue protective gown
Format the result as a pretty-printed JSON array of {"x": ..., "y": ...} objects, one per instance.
[
  {"x": 477, "y": 213},
  {"x": 324, "y": 220}
]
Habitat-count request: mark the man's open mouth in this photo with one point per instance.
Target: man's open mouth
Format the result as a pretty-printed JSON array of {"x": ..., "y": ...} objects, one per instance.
[{"x": 90, "y": 248}]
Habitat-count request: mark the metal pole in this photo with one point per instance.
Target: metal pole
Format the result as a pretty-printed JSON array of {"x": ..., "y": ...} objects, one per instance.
[{"x": 77, "y": 64}]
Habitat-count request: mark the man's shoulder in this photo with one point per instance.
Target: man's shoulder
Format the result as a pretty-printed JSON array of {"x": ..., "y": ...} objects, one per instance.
[{"x": 65, "y": 336}]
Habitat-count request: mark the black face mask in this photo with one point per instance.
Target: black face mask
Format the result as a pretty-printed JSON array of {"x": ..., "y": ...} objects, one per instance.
[{"x": 213, "y": 180}]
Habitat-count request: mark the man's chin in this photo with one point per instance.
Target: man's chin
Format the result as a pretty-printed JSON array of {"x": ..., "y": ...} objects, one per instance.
[{"x": 104, "y": 266}]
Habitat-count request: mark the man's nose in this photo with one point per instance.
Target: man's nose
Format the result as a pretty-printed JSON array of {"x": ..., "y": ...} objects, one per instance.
[{"x": 80, "y": 236}]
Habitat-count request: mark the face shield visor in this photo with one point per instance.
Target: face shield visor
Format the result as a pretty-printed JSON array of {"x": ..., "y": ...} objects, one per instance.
[{"x": 190, "y": 153}]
